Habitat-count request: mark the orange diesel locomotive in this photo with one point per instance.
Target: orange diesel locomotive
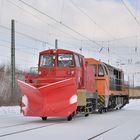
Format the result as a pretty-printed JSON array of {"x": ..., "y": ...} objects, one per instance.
[
  {"x": 66, "y": 83},
  {"x": 110, "y": 85}
]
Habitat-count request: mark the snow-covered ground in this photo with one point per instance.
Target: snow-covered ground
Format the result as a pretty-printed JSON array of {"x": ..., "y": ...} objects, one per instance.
[
  {"x": 123, "y": 124},
  {"x": 12, "y": 110}
]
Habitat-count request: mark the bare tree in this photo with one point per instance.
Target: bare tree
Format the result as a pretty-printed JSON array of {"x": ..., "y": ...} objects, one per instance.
[{"x": 5, "y": 86}]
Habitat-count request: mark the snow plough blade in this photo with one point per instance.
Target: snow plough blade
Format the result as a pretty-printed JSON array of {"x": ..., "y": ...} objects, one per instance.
[{"x": 55, "y": 99}]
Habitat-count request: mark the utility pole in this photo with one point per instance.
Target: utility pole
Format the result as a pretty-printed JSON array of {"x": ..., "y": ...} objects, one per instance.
[
  {"x": 128, "y": 85},
  {"x": 133, "y": 80},
  {"x": 56, "y": 44},
  {"x": 12, "y": 57}
]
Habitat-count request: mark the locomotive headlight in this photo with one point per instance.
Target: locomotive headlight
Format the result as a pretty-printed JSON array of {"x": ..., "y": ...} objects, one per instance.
[
  {"x": 72, "y": 72},
  {"x": 73, "y": 99},
  {"x": 25, "y": 103},
  {"x": 39, "y": 72}
]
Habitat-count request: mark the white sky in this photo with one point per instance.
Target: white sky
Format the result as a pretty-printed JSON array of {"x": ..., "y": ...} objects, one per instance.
[{"x": 107, "y": 22}]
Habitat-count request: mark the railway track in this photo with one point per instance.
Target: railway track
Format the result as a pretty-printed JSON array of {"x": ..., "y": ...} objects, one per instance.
[
  {"x": 91, "y": 138},
  {"x": 25, "y": 130},
  {"x": 8, "y": 126},
  {"x": 138, "y": 136}
]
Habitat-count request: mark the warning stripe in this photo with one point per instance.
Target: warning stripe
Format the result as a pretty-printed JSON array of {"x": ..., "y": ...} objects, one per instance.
[{"x": 101, "y": 100}]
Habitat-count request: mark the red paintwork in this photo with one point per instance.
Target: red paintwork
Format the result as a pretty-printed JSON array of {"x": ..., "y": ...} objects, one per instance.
[
  {"x": 50, "y": 91},
  {"x": 49, "y": 100},
  {"x": 90, "y": 79}
]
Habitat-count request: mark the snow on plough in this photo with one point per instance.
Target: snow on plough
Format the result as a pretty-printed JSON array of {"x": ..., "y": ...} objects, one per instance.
[{"x": 67, "y": 83}]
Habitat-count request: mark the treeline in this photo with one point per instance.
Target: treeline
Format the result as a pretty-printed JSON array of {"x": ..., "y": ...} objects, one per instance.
[{"x": 6, "y": 98}]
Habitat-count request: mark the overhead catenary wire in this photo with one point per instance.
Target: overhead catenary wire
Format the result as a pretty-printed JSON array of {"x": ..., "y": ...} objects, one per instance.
[
  {"x": 21, "y": 58},
  {"x": 26, "y": 35},
  {"x": 66, "y": 33},
  {"x": 44, "y": 21},
  {"x": 64, "y": 42},
  {"x": 130, "y": 12},
  {"x": 19, "y": 44},
  {"x": 60, "y": 22},
  {"x": 94, "y": 22},
  {"x": 21, "y": 8},
  {"x": 20, "y": 50},
  {"x": 80, "y": 40},
  {"x": 62, "y": 8},
  {"x": 121, "y": 38},
  {"x": 91, "y": 19},
  {"x": 40, "y": 19}
]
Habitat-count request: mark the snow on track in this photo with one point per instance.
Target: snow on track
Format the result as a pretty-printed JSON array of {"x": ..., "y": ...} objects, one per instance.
[{"x": 122, "y": 124}]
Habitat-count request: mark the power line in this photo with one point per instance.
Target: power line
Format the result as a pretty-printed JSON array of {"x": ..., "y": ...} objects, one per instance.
[
  {"x": 92, "y": 20},
  {"x": 42, "y": 20},
  {"x": 59, "y": 22},
  {"x": 62, "y": 8},
  {"x": 45, "y": 22},
  {"x": 17, "y": 49},
  {"x": 19, "y": 44},
  {"x": 48, "y": 25},
  {"x": 35, "y": 39},
  {"x": 115, "y": 39},
  {"x": 121, "y": 38},
  {"x": 130, "y": 12},
  {"x": 21, "y": 58},
  {"x": 28, "y": 36}
]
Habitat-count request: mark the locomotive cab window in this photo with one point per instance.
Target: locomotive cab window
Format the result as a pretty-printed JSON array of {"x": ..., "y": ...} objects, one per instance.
[
  {"x": 106, "y": 70},
  {"x": 77, "y": 60},
  {"x": 65, "y": 60},
  {"x": 47, "y": 60},
  {"x": 81, "y": 62},
  {"x": 100, "y": 71}
]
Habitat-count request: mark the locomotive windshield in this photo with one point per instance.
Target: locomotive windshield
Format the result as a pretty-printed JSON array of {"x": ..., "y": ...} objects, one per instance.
[
  {"x": 65, "y": 60},
  {"x": 47, "y": 60}
]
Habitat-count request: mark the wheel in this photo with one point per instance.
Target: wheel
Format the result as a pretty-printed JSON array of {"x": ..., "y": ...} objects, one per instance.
[
  {"x": 44, "y": 118},
  {"x": 86, "y": 115},
  {"x": 105, "y": 110},
  {"x": 121, "y": 107},
  {"x": 69, "y": 118},
  {"x": 100, "y": 111}
]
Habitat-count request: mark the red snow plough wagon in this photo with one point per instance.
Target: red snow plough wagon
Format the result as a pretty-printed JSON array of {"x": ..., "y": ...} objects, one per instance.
[{"x": 67, "y": 83}]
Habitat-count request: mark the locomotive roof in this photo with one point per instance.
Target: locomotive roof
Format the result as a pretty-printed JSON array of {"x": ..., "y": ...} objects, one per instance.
[
  {"x": 95, "y": 61},
  {"x": 58, "y": 51},
  {"x": 112, "y": 67}
]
